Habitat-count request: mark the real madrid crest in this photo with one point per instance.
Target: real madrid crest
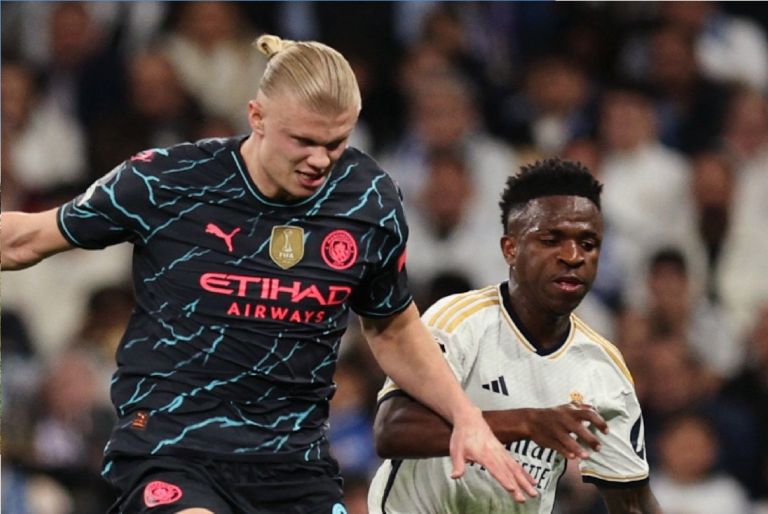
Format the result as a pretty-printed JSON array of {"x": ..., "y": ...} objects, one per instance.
[
  {"x": 286, "y": 245},
  {"x": 577, "y": 397}
]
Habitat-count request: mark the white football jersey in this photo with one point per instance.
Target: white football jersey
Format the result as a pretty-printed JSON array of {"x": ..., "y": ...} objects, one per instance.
[{"x": 500, "y": 368}]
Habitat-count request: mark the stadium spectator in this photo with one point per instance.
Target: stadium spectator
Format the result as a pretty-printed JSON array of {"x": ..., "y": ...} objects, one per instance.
[
  {"x": 674, "y": 310},
  {"x": 750, "y": 388},
  {"x": 713, "y": 189},
  {"x": 744, "y": 278},
  {"x": 159, "y": 112},
  {"x": 28, "y": 122},
  {"x": 728, "y": 48},
  {"x": 680, "y": 383},
  {"x": 643, "y": 180},
  {"x": 554, "y": 107},
  {"x": 690, "y": 107},
  {"x": 687, "y": 480},
  {"x": 446, "y": 228},
  {"x": 212, "y": 53},
  {"x": 443, "y": 118},
  {"x": 84, "y": 77}
]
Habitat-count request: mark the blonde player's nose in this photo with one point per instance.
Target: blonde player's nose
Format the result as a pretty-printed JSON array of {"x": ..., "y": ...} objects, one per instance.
[{"x": 319, "y": 159}]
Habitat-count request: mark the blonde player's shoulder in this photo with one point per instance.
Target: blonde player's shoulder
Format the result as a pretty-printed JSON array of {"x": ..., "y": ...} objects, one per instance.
[
  {"x": 590, "y": 341},
  {"x": 452, "y": 313}
]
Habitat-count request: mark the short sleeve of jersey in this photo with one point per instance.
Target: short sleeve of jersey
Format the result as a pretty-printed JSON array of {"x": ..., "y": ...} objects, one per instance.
[
  {"x": 455, "y": 346},
  {"x": 384, "y": 289},
  {"x": 112, "y": 210},
  {"x": 622, "y": 459}
]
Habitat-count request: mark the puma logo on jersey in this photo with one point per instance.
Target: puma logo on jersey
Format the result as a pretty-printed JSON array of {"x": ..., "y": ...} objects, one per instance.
[
  {"x": 497, "y": 386},
  {"x": 212, "y": 228}
]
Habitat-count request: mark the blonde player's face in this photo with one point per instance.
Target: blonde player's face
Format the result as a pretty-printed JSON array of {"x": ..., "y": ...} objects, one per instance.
[
  {"x": 296, "y": 147},
  {"x": 553, "y": 254}
]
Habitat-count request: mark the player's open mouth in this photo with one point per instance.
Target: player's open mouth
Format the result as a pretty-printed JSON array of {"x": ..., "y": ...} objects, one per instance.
[
  {"x": 570, "y": 284},
  {"x": 311, "y": 180}
]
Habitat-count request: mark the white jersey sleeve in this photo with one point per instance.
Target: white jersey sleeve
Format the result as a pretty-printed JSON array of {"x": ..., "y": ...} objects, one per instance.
[{"x": 622, "y": 459}]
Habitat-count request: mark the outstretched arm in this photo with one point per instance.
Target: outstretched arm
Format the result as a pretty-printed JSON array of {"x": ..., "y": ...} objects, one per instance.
[
  {"x": 406, "y": 429},
  {"x": 635, "y": 500},
  {"x": 28, "y": 238},
  {"x": 405, "y": 351}
]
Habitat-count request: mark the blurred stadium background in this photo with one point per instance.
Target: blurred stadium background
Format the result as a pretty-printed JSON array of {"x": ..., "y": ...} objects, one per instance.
[{"x": 665, "y": 102}]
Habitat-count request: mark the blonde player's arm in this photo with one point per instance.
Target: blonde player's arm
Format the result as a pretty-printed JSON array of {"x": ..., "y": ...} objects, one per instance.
[
  {"x": 405, "y": 351},
  {"x": 28, "y": 238},
  {"x": 404, "y": 428}
]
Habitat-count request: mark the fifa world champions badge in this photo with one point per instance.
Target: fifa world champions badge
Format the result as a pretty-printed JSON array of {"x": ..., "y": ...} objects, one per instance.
[{"x": 286, "y": 246}]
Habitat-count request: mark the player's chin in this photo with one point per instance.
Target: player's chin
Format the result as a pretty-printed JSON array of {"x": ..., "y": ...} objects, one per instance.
[
  {"x": 565, "y": 304},
  {"x": 302, "y": 192}
]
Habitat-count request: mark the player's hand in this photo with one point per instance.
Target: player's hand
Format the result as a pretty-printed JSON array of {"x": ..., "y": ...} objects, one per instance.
[
  {"x": 473, "y": 441},
  {"x": 555, "y": 427}
]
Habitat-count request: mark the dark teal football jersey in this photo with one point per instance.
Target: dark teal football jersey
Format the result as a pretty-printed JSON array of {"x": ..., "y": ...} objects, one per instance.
[{"x": 241, "y": 300}]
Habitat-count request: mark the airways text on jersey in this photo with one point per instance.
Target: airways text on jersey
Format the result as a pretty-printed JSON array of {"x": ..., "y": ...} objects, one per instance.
[{"x": 259, "y": 295}]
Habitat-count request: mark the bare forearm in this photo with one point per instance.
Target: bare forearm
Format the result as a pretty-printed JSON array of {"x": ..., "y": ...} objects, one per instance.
[
  {"x": 407, "y": 429},
  {"x": 26, "y": 239},
  {"x": 639, "y": 500},
  {"x": 414, "y": 431},
  {"x": 410, "y": 357}
]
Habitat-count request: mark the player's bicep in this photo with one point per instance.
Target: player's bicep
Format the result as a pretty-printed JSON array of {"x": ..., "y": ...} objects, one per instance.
[{"x": 449, "y": 349}]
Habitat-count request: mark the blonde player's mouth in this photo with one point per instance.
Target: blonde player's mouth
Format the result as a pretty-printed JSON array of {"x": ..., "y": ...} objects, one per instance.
[{"x": 311, "y": 180}]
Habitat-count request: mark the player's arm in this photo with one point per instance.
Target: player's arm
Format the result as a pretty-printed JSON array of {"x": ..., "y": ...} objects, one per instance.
[
  {"x": 28, "y": 238},
  {"x": 404, "y": 428},
  {"x": 634, "y": 500},
  {"x": 405, "y": 351}
]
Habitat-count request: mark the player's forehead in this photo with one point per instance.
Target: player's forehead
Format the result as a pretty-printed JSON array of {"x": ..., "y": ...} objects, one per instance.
[
  {"x": 298, "y": 119},
  {"x": 563, "y": 213}
]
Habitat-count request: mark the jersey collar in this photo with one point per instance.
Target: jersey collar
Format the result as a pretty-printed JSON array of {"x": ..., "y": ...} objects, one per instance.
[{"x": 526, "y": 337}]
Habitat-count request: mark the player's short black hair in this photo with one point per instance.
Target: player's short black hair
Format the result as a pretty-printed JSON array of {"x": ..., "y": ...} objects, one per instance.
[{"x": 549, "y": 177}]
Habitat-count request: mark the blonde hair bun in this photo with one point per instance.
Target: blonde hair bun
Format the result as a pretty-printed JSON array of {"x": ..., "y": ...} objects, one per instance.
[{"x": 269, "y": 45}]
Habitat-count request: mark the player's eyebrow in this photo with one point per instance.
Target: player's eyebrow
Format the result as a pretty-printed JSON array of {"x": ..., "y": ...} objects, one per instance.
[
  {"x": 313, "y": 142},
  {"x": 560, "y": 232}
]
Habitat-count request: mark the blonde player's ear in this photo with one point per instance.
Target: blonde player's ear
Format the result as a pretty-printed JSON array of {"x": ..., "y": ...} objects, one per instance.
[
  {"x": 256, "y": 116},
  {"x": 508, "y": 248}
]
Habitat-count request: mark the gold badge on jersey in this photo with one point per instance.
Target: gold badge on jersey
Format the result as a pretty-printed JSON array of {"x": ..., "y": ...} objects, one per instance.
[{"x": 286, "y": 245}]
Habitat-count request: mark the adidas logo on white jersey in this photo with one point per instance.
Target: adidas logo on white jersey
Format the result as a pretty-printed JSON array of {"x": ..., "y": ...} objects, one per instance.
[{"x": 497, "y": 386}]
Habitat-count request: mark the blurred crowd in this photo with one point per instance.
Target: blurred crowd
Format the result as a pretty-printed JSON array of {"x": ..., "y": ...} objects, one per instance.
[{"x": 667, "y": 103}]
